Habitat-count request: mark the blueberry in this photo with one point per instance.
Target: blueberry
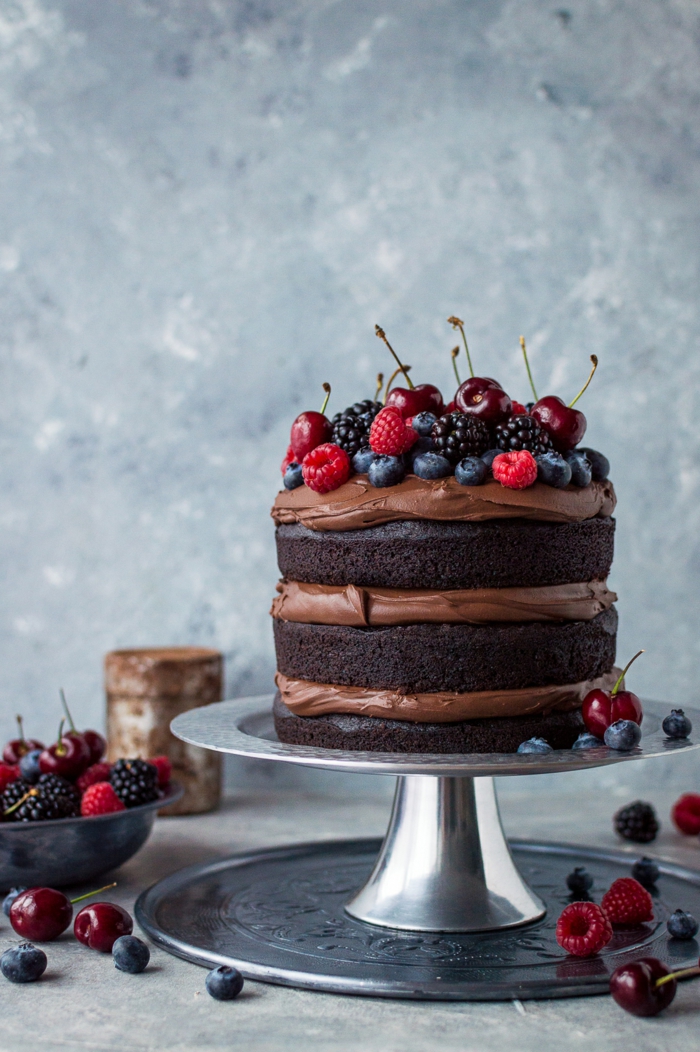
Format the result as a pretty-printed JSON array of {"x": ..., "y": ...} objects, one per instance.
[
  {"x": 677, "y": 725},
  {"x": 423, "y": 423},
  {"x": 682, "y": 925},
  {"x": 587, "y": 741},
  {"x": 535, "y": 745},
  {"x": 29, "y": 766},
  {"x": 432, "y": 466},
  {"x": 489, "y": 456},
  {"x": 579, "y": 880},
  {"x": 646, "y": 871},
  {"x": 386, "y": 471},
  {"x": 224, "y": 983},
  {"x": 553, "y": 470},
  {"x": 581, "y": 473},
  {"x": 10, "y": 898},
  {"x": 362, "y": 460},
  {"x": 130, "y": 954},
  {"x": 471, "y": 471},
  {"x": 293, "y": 476},
  {"x": 600, "y": 465},
  {"x": 23, "y": 963},
  {"x": 423, "y": 445},
  {"x": 623, "y": 735}
]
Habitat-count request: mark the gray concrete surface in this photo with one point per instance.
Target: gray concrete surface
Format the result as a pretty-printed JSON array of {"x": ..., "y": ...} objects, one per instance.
[{"x": 84, "y": 1004}]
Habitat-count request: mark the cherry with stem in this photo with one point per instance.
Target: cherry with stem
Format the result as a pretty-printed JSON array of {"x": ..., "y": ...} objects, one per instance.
[
  {"x": 405, "y": 369},
  {"x": 457, "y": 323}
]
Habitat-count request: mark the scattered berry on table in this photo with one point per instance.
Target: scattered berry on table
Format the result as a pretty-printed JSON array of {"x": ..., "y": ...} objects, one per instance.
[
  {"x": 682, "y": 925},
  {"x": 586, "y": 740},
  {"x": 52, "y": 797},
  {"x": 579, "y": 880},
  {"x": 522, "y": 432},
  {"x": 100, "y": 799},
  {"x": 432, "y": 466},
  {"x": 637, "y": 822},
  {"x": 100, "y": 924},
  {"x": 351, "y": 427},
  {"x": 535, "y": 745},
  {"x": 623, "y": 735},
  {"x": 130, "y": 954},
  {"x": 677, "y": 725},
  {"x": 600, "y": 465},
  {"x": 29, "y": 768},
  {"x": 326, "y": 468},
  {"x": 165, "y": 769},
  {"x": 472, "y": 471},
  {"x": 646, "y": 871},
  {"x": 627, "y": 902},
  {"x": 12, "y": 894},
  {"x": 9, "y": 773},
  {"x": 460, "y": 435},
  {"x": 386, "y": 471},
  {"x": 685, "y": 814},
  {"x": 389, "y": 434},
  {"x": 423, "y": 423},
  {"x": 583, "y": 929},
  {"x": 99, "y": 772},
  {"x": 288, "y": 458},
  {"x": 633, "y": 987},
  {"x": 41, "y": 914},
  {"x": 293, "y": 476},
  {"x": 515, "y": 470},
  {"x": 134, "y": 781},
  {"x": 23, "y": 964},
  {"x": 224, "y": 983},
  {"x": 553, "y": 470},
  {"x": 362, "y": 460},
  {"x": 581, "y": 473}
]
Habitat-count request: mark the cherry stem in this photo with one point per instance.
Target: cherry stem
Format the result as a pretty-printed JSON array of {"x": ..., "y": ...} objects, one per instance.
[
  {"x": 21, "y": 728},
  {"x": 622, "y": 675},
  {"x": 402, "y": 368},
  {"x": 527, "y": 366},
  {"x": 97, "y": 892},
  {"x": 684, "y": 973},
  {"x": 60, "y": 749},
  {"x": 66, "y": 709},
  {"x": 594, "y": 359},
  {"x": 455, "y": 352},
  {"x": 327, "y": 389},
  {"x": 380, "y": 384},
  {"x": 405, "y": 369},
  {"x": 457, "y": 323},
  {"x": 30, "y": 792}
]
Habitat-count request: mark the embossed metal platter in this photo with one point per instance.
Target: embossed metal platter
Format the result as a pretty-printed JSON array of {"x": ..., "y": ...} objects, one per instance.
[
  {"x": 277, "y": 915},
  {"x": 244, "y": 727}
]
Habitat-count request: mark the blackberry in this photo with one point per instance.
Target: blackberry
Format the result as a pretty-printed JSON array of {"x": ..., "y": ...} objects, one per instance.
[
  {"x": 135, "y": 782},
  {"x": 460, "y": 435},
  {"x": 522, "y": 432},
  {"x": 637, "y": 822},
  {"x": 50, "y": 798},
  {"x": 351, "y": 427}
]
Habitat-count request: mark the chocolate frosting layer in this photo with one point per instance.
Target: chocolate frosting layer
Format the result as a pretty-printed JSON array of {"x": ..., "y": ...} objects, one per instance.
[
  {"x": 304, "y": 698},
  {"x": 319, "y": 604},
  {"x": 357, "y": 505}
]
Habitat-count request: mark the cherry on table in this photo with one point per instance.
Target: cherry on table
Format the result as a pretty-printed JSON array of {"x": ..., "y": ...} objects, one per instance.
[
  {"x": 634, "y": 987},
  {"x": 42, "y": 914},
  {"x": 19, "y": 747},
  {"x": 100, "y": 924}
]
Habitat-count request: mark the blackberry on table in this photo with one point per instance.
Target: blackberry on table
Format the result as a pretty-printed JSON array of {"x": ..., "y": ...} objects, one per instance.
[
  {"x": 135, "y": 782},
  {"x": 637, "y": 822},
  {"x": 522, "y": 432},
  {"x": 460, "y": 435},
  {"x": 351, "y": 427},
  {"x": 50, "y": 798}
]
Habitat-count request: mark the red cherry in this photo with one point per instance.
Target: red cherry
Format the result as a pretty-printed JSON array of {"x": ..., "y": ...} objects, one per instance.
[
  {"x": 565, "y": 426},
  {"x": 309, "y": 430},
  {"x": 425, "y": 398},
  {"x": 601, "y": 708},
  {"x": 67, "y": 757},
  {"x": 41, "y": 914},
  {"x": 100, "y": 924},
  {"x": 483, "y": 397},
  {"x": 96, "y": 744},
  {"x": 633, "y": 987},
  {"x": 19, "y": 747}
]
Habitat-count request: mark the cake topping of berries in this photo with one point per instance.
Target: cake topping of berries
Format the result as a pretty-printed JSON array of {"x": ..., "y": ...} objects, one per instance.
[
  {"x": 522, "y": 432},
  {"x": 516, "y": 470},
  {"x": 626, "y": 902},
  {"x": 351, "y": 427},
  {"x": 389, "y": 433},
  {"x": 326, "y": 468},
  {"x": 583, "y": 929},
  {"x": 100, "y": 799},
  {"x": 460, "y": 435},
  {"x": 637, "y": 822},
  {"x": 310, "y": 429}
]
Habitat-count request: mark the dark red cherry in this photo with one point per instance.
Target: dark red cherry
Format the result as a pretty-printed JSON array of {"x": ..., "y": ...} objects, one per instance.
[
  {"x": 41, "y": 914},
  {"x": 19, "y": 747},
  {"x": 633, "y": 987},
  {"x": 601, "y": 708},
  {"x": 425, "y": 398},
  {"x": 565, "y": 426},
  {"x": 309, "y": 430},
  {"x": 483, "y": 397},
  {"x": 96, "y": 744},
  {"x": 100, "y": 924},
  {"x": 68, "y": 757}
]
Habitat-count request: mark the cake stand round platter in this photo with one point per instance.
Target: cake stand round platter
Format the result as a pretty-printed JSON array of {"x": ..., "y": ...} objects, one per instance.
[{"x": 444, "y": 908}]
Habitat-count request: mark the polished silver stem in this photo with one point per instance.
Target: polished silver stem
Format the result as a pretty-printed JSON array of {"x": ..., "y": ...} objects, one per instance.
[{"x": 445, "y": 864}]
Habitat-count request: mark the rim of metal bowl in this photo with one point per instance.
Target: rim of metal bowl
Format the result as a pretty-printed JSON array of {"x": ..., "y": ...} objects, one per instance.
[{"x": 175, "y": 791}]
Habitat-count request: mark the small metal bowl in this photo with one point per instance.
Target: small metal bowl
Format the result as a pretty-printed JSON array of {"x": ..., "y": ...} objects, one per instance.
[{"x": 74, "y": 850}]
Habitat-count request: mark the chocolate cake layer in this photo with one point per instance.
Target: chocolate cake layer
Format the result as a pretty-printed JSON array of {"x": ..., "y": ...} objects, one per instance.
[
  {"x": 371, "y": 734},
  {"x": 496, "y": 554},
  {"x": 449, "y": 657}
]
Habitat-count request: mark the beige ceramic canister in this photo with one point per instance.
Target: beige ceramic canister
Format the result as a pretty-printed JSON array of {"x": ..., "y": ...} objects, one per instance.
[{"x": 146, "y": 689}]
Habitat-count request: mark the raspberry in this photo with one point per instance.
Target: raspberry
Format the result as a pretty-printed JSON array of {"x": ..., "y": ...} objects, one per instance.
[
  {"x": 9, "y": 772},
  {"x": 389, "y": 434},
  {"x": 515, "y": 470},
  {"x": 325, "y": 468},
  {"x": 164, "y": 767},
  {"x": 288, "y": 458},
  {"x": 627, "y": 902},
  {"x": 686, "y": 814},
  {"x": 100, "y": 799},
  {"x": 583, "y": 929},
  {"x": 99, "y": 772}
]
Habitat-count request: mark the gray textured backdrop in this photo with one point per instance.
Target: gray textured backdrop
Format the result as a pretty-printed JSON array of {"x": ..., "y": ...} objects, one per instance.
[{"x": 205, "y": 208}]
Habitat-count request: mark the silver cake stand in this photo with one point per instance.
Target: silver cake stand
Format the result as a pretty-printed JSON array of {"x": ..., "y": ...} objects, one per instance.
[{"x": 444, "y": 908}]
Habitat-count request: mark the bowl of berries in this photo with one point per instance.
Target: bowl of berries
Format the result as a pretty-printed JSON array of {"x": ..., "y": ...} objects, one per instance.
[{"x": 66, "y": 815}]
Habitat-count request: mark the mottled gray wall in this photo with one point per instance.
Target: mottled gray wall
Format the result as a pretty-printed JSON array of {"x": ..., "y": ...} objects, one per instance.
[{"x": 206, "y": 206}]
